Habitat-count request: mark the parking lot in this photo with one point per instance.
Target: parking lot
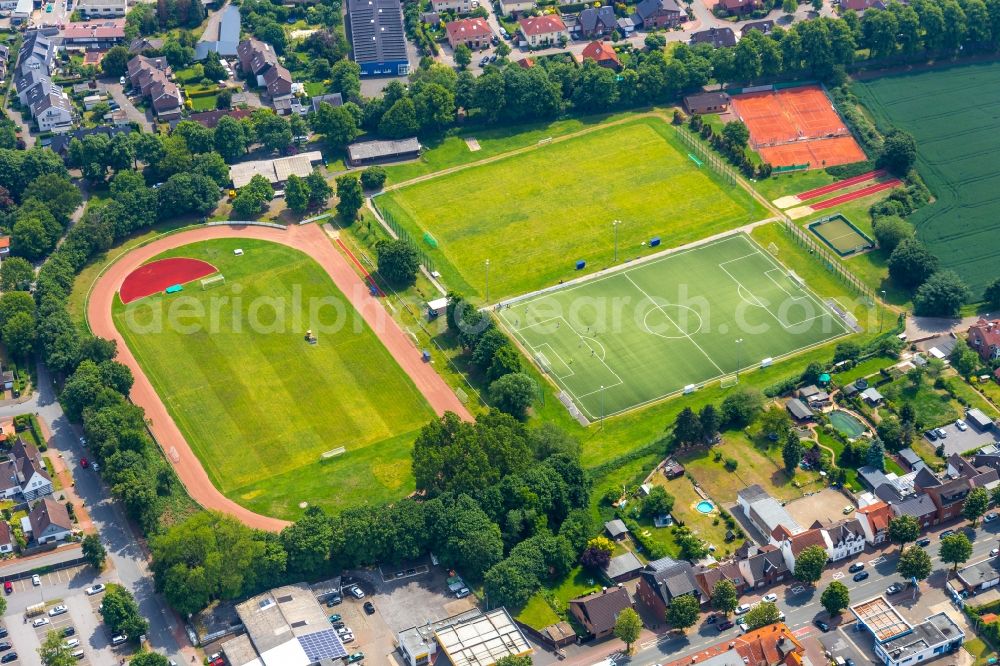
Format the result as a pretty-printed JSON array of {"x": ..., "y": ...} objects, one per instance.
[
  {"x": 958, "y": 441},
  {"x": 825, "y": 506}
]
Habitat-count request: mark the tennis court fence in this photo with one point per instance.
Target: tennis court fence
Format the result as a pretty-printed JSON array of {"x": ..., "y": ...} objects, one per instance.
[{"x": 833, "y": 264}]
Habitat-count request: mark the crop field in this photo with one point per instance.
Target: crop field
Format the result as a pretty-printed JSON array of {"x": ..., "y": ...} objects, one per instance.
[
  {"x": 533, "y": 215},
  {"x": 258, "y": 405},
  {"x": 951, "y": 113},
  {"x": 633, "y": 336}
]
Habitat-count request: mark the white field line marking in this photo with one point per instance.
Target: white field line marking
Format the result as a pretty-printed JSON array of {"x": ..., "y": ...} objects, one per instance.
[
  {"x": 561, "y": 360},
  {"x": 779, "y": 285},
  {"x": 679, "y": 329},
  {"x": 824, "y": 311}
]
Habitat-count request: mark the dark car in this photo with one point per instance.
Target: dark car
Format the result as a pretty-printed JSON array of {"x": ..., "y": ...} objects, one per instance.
[
  {"x": 6, "y": 645},
  {"x": 931, "y": 435},
  {"x": 3, "y": 632},
  {"x": 722, "y": 626},
  {"x": 8, "y": 587},
  {"x": 923, "y": 543},
  {"x": 369, "y": 608},
  {"x": 856, "y": 567},
  {"x": 947, "y": 533},
  {"x": 338, "y": 625},
  {"x": 9, "y": 657},
  {"x": 333, "y": 601},
  {"x": 69, "y": 631},
  {"x": 823, "y": 626},
  {"x": 848, "y": 662},
  {"x": 712, "y": 619},
  {"x": 860, "y": 576}
]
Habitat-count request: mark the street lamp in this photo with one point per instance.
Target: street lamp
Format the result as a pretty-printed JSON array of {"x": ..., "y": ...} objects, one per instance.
[
  {"x": 602, "y": 406},
  {"x": 487, "y": 280},
  {"x": 615, "y": 225},
  {"x": 739, "y": 341}
]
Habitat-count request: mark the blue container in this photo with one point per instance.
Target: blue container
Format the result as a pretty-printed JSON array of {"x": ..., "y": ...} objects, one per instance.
[
  {"x": 654, "y": 241},
  {"x": 580, "y": 265}
]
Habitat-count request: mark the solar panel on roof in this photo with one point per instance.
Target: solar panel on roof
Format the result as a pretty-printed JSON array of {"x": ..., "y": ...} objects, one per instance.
[{"x": 322, "y": 645}]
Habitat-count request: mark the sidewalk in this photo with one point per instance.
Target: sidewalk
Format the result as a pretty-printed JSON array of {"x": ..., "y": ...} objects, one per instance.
[{"x": 68, "y": 489}]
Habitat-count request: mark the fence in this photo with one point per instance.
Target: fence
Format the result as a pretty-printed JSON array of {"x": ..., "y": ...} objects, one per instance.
[
  {"x": 790, "y": 167},
  {"x": 403, "y": 235},
  {"x": 242, "y": 223},
  {"x": 832, "y": 264},
  {"x": 708, "y": 156}
]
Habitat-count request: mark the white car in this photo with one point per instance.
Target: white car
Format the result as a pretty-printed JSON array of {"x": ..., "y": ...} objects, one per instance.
[
  {"x": 995, "y": 552},
  {"x": 743, "y": 608},
  {"x": 742, "y": 624},
  {"x": 347, "y": 638},
  {"x": 771, "y": 597},
  {"x": 990, "y": 517},
  {"x": 960, "y": 424},
  {"x": 357, "y": 592},
  {"x": 35, "y": 580},
  {"x": 40, "y": 622},
  {"x": 72, "y": 643},
  {"x": 95, "y": 589},
  {"x": 57, "y": 610}
]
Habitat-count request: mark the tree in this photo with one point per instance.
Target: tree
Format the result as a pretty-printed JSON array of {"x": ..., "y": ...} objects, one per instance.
[
  {"x": 319, "y": 189},
  {"x": 114, "y": 61},
  {"x": 19, "y": 334},
  {"x": 736, "y": 134},
  {"x": 296, "y": 194},
  {"x": 230, "y": 138},
  {"x": 792, "y": 452},
  {"x": 991, "y": 295},
  {"x": 463, "y": 56},
  {"x": 373, "y": 178},
  {"x": 835, "y": 598},
  {"x": 16, "y": 274},
  {"x": 336, "y": 123},
  {"x": 307, "y": 542},
  {"x": 400, "y": 120},
  {"x": 350, "y": 196},
  {"x": 724, "y": 597},
  {"x": 398, "y": 262},
  {"x": 976, "y": 504},
  {"x": 214, "y": 71},
  {"x": 148, "y": 659},
  {"x": 789, "y": 6},
  {"x": 911, "y": 264},
  {"x": 740, "y": 408},
  {"x": 659, "y": 502},
  {"x": 54, "y": 651},
  {"x": 963, "y": 357},
  {"x": 899, "y": 152},
  {"x": 597, "y": 554},
  {"x": 775, "y": 424},
  {"x": 30, "y": 239},
  {"x": 955, "y": 549},
  {"x": 224, "y": 100},
  {"x": 687, "y": 427},
  {"x": 810, "y": 563},
  {"x": 692, "y": 547},
  {"x": 876, "y": 455},
  {"x": 942, "y": 295},
  {"x": 683, "y": 612},
  {"x": 628, "y": 626},
  {"x": 121, "y": 613},
  {"x": 914, "y": 562},
  {"x": 892, "y": 230},
  {"x": 272, "y": 130},
  {"x": 94, "y": 552},
  {"x": 903, "y": 530},
  {"x": 513, "y": 394},
  {"x": 761, "y": 615},
  {"x": 655, "y": 42},
  {"x": 710, "y": 421}
]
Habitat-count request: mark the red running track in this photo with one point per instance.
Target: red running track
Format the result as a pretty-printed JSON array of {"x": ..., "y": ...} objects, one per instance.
[
  {"x": 839, "y": 185},
  {"x": 851, "y": 196},
  {"x": 154, "y": 277}
]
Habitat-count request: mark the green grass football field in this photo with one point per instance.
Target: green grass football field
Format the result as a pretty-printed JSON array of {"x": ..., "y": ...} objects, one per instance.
[
  {"x": 950, "y": 113},
  {"x": 534, "y": 214},
  {"x": 260, "y": 406},
  {"x": 636, "y": 335}
]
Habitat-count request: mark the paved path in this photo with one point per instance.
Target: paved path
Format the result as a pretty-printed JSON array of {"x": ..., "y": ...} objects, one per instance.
[{"x": 306, "y": 238}]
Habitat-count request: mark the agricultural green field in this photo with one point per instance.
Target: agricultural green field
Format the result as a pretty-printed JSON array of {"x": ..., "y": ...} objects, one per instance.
[
  {"x": 951, "y": 114},
  {"x": 634, "y": 336},
  {"x": 534, "y": 214},
  {"x": 259, "y": 407}
]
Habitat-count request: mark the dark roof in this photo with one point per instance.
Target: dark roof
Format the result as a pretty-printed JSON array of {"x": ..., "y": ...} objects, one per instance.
[
  {"x": 210, "y": 119},
  {"x": 915, "y": 505},
  {"x": 767, "y": 563},
  {"x": 717, "y": 37},
  {"x": 368, "y": 150},
  {"x": 961, "y": 465},
  {"x": 763, "y": 26},
  {"x": 846, "y": 531},
  {"x": 602, "y": 608},
  {"x": 622, "y": 564},
  {"x": 60, "y": 142},
  {"x": 909, "y": 457},
  {"x": 925, "y": 479},
  {"x": 377, "y": 31},
  {"x": 648, "y": 8},
  {"x": 616, "y": 527},
  {"x": 333, "y": 99},
  {"x": 603, "y": 16},
  {"x": 872, "y": 476},
  {"x": 670, "y": 581},
  {"x": 849, "y": 390},
  {"x": 798, "y": 409},
  {"x": 706, "y": 99},
  {"x": 48, "y": 512}
]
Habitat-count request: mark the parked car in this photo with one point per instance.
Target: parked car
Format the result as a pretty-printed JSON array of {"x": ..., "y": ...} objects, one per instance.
[
  {"x": 847, "y": 509},
  {"x": 333, "y": 601},
  {"x": 923, "y": 543},
  {"x": 69, "y": 631},
  {"x": 57, "y": 610},
  {"x": 995, "y": 552},
  {"x": 931, "y": 435},
  {"x": 947, "y": 533},
  {"x": 711, "y": 619},
  {"x": 95, "y": 589},
  {"x": 355, "y": 657},
  {"x": 84, "y": 463},
  {"x": 357, "y": 592},
  {"x": 8, "y": 586},
  {"x": 72, "y": 643},
  {"x": 36, "y": 580},
  {"x": 347, "y": 638},
  {"x": 40, "y": 622},
  {"x": 860, "y": 576},
  {"x": 990, "y": 517},
  {"x": 334, "y": 618},
  {"x": 722, "y": 626},
  {"x": 823, "y": 626},
  {"x": 742, "y": 624},
  {"x": 856, "y": 567},
  {"x": 369, "y": 608},
  {"x": 960, "y": 424},
  {"x": 9, "y": 657},
  {"x": 3, "y": 632},
  {"x": 343, "y": 630},
  {"x": 771, "y": 597},
  {"x": 895, "y": 588},
  {"x": 743, "y": 608},
  {"x": 6, "y": 645},
  {"x": 941, "y": 432}
]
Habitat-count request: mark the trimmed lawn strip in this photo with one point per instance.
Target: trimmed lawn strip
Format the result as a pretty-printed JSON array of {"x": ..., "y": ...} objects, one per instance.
[
  {"x": 932, "y": 407},
  {"x": 865, "y": 368},
  {"x": 538, "y": 612},
  {"x": 980, "y": 651}
]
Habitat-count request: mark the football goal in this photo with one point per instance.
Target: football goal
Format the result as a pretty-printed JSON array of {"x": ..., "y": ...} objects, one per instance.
[{"x": 213, "y": 281}]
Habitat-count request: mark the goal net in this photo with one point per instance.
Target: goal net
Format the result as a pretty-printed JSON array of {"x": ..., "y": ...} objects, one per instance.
[
  {"x": 728, "y": 381},
  {"x": 772, "y": 248},
  {"x": 213, "y": 281}
]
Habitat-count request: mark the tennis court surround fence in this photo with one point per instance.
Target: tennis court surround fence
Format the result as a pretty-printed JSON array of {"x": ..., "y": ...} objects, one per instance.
[{"x": 831, "y": 263}]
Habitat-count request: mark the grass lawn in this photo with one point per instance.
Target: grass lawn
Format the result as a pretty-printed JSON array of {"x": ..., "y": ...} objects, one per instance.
[
  {"x": 259, "y": 406},
  {"x": 865, "y": 368},
  {"x": 314, "y": 88},
  {"x": 685, "y": 499},
  {"x": 834, "y": 444},
  {"x": 203, "y": 102},
  {"x": 932, "y": 407},
  {"x": 647, "y": 346},
  {"x": 787, "y": 184},
  {"x": 533, "y": 215},
  {"x": 970, "y": 395},
  {"x": 978, "y": 648},
  {"x": 538, "y": 613}
]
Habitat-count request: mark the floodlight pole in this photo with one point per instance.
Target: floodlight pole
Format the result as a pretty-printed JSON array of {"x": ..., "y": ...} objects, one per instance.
[
  {"x": 615, "y": 225},
  {"x": 881, "y": 312},
  {"x": 487, "y": 280},
  {"x": 739, "y": 342},
  {"x": 602, "y": 406}
]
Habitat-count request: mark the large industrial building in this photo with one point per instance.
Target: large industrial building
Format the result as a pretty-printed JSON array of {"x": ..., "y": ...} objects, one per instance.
[{"x": 377, "y": 38}]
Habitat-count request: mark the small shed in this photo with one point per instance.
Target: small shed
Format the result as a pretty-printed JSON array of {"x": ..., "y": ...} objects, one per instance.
[
  {"x": 624, "y": 567},
  {"x": 849, "y": 390},
  {"x": 708, "y": 102},
  {"x": 911, "y": 459},
  {"x": 437, "y": 307},
  {"x": 616, "y": 529},
  {"x": 673, "y": 469},
  {"x": 799, "y": 410},
  {"x": 976, "y": 417},
  {"x": 872, "y": 396}
]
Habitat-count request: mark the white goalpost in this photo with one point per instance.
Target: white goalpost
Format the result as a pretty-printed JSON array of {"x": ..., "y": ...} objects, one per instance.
[{"x": 213, "y": 281}]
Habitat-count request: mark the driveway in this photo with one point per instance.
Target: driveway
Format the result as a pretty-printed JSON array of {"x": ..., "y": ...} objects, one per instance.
[
  {"x": 134, "y": 114},
  {"x": 959, "y": 441}
]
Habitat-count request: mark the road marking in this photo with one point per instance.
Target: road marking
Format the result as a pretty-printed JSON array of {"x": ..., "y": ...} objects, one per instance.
[
  {"x": 798, "y": 589},
  {"x": 838, "y": 575},
  {"x": 878, "y": 560},
  {"x": 803, "y": 631}
]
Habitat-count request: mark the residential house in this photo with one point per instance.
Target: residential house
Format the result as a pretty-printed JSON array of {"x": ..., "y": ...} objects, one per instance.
[
  {"x": 473, "y": 32},
  {"x": 740, "y": 7},
  {"x": 598, "y": 612},
  {"x": 980, "y": 576},
  {"x": 278, "y": 82},
  {"x": 379, "y": 44},
  {"x": 626, "y": 25},
  {"x": 765, "y": 513},
  {"x": 872, "y": 397},
  {"x": 616, "y": 529},
  {"x": 845, "y": 540},
  {"x": 151, "y": 77},
  {"x": 53, "y": 113},
  {"x": 5, "y": 251},
  {"x": 603, "y": 54},
  {"x": 94, "y": 35},
  {"x": 623, "y": 567},
  {"x": 918, "y": 506},
  {"x": 258, "y": 59},
  {"x": 861, "y": 6},
  {"x": 142, "y": 44},
  {"x": 707, "y": 102},
  {"x": 984, "y": 337},
  {"x": 101, "y": 8},
  {"x": 663, "y": 580},
  {"x": 23, "y": 474},
  {"x": 948, "y": 496},
  {"x": 773, "y": 645},
  {"x": 799, "y": 410},
  {"x": 708, "y": 577},
  {"x": 31, "y": 86},
  {"x": 598, "y": 22},
  {"x": 792, "y": 546},
  {"x": 716, "y": 37},
  {"x": 49, "y": 521},
  {"x": 333, "y": 99},
  {"x": 37, "y": 53},
  {"x": 764, "y": 27},
  {"x": 513, "y": 8},
  {"x": 814, "y": 396},
  {"x": 60, "y": 143},
  {"x": 210, "y": 119},
  {"x": 764, "y": 566},
  {"x": 874, "y": 520},
  {"x": 6, "y": 538},
  {"x": 653, "y": 14},
  {"x": 457, "y": 6},
  {"x": 543, "y": 30}
]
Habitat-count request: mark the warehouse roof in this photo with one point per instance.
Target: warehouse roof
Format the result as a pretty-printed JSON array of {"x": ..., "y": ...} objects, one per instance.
[{"x": 277, "y": 170}]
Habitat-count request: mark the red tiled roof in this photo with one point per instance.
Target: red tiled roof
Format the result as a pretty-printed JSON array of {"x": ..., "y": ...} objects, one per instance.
[
  {"x": 773, "y": 644},
  {"x": 541, "y": 25},
  {"x": 99, "y": 29},
  {"x": 4, "y": 241},
  {"x": 600, "y": 51},
  {"x": 806, "y": 539},
  {"x": 528, "y": 63},
  {"x": 989, "y": 331},
  {"x": 878, "y": 515},
  {"x": 468, "y": 28}
]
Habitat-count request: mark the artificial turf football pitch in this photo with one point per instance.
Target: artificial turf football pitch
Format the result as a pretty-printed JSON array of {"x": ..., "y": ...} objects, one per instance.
[
  {"x": 633, "y": 336},
  {"x": 258, "y": 405}
]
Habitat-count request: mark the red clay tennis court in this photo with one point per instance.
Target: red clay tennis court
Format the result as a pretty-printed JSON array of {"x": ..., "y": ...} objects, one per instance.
[
  {"x": 156, "y": 276},
  {"x": 796, "y": 126}
]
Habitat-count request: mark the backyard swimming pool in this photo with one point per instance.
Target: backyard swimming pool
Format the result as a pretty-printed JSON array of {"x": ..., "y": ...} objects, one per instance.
[{"x": 847, "y": 424}]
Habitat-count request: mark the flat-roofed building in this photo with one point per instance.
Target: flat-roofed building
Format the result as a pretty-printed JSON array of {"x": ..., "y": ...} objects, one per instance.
[
  {"x": 377, "y": 37},
  {"x": 276, "y": 170},
  {"x": 373, "y": 152},
  {"x": 897, "y": 642},
  {"x": 473, "y": 638}
]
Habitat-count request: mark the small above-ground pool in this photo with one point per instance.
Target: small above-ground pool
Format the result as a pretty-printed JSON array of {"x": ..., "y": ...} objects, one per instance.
[
  {"x": 705, "y": 506},
  {"x": 847, "y": 424}
]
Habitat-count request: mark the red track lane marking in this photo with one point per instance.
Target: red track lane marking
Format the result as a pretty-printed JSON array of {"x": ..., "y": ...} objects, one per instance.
[
  {"x": 154, "y": 277},
  {"x": 361, "y": 268},
  {"x": 844, "y": 198},
  {"x": 839, "y": 185}
]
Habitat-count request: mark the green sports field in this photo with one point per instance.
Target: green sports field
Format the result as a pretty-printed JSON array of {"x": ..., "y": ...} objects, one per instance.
[
  {"x": 534, "y": 214},
  {"x": 636, "y": 335},
  {"x": 952, "y": 114},
  {"x": 260, "y": 406}
]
